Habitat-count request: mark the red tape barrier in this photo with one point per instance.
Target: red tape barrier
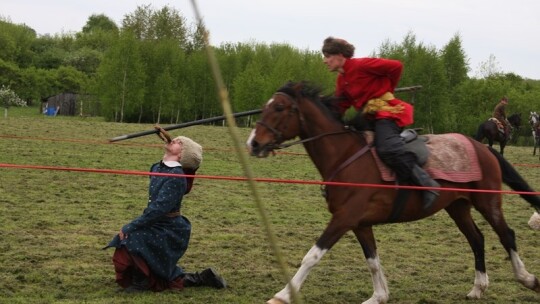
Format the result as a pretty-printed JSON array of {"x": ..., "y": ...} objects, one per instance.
[{"x": 268, "y": 180}]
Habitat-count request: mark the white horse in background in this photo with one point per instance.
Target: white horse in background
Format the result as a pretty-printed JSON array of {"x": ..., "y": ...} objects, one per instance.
[{"x": 534, "y": 120}]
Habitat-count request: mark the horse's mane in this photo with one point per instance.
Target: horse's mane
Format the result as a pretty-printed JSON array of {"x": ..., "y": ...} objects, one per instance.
[
  {"x": 327, "y": 103},
  {"x": 515, "y": 119}
]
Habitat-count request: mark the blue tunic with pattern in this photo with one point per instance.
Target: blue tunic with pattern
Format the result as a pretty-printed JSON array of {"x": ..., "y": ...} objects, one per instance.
[{"x": 160, "y": 240}]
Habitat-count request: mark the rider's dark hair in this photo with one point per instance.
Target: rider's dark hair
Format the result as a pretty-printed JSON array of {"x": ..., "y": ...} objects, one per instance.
[{"x": 334, "y": 46}]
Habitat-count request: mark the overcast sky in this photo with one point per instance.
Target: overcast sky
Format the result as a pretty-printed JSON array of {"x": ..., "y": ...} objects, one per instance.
[{"x": 508, "y": 30}]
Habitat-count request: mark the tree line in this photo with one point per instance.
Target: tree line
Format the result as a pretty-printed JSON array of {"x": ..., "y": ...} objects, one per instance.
[{"x": 153, "y": 69}]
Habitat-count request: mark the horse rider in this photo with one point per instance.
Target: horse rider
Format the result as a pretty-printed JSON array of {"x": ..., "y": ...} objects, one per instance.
[
  {"x": 500, "y": 114},
  {"x": 368, "y": 85}
]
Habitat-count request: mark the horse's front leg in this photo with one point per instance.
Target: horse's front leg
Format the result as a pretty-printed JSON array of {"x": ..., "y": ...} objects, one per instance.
[
  {"x": 311, "y": 259},
  {"x": 381, "y": 293},
  {"x": 333, "y": 232}
]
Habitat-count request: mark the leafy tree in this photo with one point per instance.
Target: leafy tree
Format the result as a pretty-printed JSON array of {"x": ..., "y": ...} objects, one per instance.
[
  {"x": 164, "y": 93},
  {"x": 138, "y": 22},
  {"x": 97, "y": 36},
  {"x": 488, "y": 68},
  {"x": 197, "y": 37},
  {"x": 149, "y": 24},
  {"x": 85, "y": 60},
  {"x": 10, "y": 73},
  {"x": 9, "y": 98},
  {"x": 455, "y": 62},
  {"x": 37, "y": 84},
  {"x": 99, "y": 22},
  {"x": 121, "y": 78},
  {"x": 48, "y": 53},
  {"x": 15, "y": 43},
  {"x": 163, "y": 74},
  {"x": 201, "y": 88},
  {"x": 68, "y": 79},
  {"x": 168, "y": 24}
]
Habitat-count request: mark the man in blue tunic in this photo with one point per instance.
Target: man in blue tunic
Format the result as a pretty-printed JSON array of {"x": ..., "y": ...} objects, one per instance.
[{"x": 149, "y": 247}]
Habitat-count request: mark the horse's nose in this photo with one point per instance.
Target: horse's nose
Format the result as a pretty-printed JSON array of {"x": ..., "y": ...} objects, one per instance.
[
  {"x": 251, "y": 143},
  {"x": 254, "y": 148}
]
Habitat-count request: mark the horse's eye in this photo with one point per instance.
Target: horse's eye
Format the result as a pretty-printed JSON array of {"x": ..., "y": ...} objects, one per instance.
[{"x": 279, "y": 107}]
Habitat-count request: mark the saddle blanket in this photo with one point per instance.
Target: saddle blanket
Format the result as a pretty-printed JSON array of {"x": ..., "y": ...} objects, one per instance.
[{"x": 452, "y": 158}]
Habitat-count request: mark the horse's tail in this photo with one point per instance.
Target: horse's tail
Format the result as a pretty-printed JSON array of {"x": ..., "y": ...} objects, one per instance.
[
  {"x": 479, "y": 136},
  {"x": 514, "y": 180}
]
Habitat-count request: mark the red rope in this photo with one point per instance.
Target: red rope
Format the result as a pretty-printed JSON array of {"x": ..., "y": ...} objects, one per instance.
[
  {"x": 267, "y": 180},
  {"x": 159, "y": 146}
]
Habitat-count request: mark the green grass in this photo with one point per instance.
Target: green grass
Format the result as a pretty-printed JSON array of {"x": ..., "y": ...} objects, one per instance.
[{"x": 53, "y": 224}]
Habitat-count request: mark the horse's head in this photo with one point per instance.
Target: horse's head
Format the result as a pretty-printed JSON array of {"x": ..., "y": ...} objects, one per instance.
[
  {"x": 533, "y": 118},
  {"x": 515, "y": 120},
  {"x": 280, "y": 121}
]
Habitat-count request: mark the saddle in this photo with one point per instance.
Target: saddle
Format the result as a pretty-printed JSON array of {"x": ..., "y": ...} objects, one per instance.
[
  {"x": 499, "y": 124},
  {"x": 414, "y": 143},
  {"x": 450, "y": 157}
]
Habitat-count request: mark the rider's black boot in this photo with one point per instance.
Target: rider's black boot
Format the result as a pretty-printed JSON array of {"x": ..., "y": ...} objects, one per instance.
[{"x": 422, "y": 178}]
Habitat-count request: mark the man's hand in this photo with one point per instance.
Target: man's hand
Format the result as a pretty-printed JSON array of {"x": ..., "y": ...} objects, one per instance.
[
  {"x": 164, "y": 135},
  {"x": 122, "y": 235}
]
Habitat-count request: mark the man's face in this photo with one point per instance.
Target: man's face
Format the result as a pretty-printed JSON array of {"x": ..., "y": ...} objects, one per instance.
[
  {"x": 174, "y": 147},
  {"x": 334, "y": 62}
]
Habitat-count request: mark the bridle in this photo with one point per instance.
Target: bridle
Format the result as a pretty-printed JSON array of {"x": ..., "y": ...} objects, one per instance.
[{"x": 278, "y": 135}]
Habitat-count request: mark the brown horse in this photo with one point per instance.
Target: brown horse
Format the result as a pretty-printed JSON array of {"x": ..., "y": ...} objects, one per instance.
[{"x": 297, "y": 109}]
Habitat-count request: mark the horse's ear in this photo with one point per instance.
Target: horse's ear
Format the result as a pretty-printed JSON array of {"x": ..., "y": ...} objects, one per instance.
[{"x": 297, "y": 87}]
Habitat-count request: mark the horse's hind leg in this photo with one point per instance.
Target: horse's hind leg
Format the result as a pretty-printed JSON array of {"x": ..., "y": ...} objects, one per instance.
[
  {"x": 380, "y": 286},
  {"x": 460, "y": 212},
  {"x": 493, "y": 214}
]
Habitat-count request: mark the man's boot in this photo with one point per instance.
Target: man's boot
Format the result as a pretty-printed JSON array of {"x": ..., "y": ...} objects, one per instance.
[
  {"x": 207, "y": 277},
  {"x": 139, "y": 283},
  {"x": 422, "y": 178}
]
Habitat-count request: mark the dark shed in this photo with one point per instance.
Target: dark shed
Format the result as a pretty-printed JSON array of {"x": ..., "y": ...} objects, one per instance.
[{"x": 61, "y": 104}]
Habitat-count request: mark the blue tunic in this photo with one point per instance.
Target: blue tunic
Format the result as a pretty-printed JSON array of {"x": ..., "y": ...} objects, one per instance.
[{"x": 160, "y": 240}]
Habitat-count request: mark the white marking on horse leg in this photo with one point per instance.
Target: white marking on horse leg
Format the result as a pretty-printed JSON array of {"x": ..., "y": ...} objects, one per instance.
[
  {"x": 481, "y": 283},
  {"x": 312, "y": 258},
  {"x": 380, "y": 286},
  {"x": 521, "y": 274},
  {"x": 249, "y": 140}
]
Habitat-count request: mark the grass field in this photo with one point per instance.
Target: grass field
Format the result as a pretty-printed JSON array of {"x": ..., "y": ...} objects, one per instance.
[{"x": 54, "y": 224}]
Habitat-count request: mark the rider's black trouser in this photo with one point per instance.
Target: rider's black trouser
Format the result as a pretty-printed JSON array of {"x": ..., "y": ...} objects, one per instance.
[{"x": 390, "y": 147}]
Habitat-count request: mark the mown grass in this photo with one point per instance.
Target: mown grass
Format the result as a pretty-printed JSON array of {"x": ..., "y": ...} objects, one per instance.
[{"x": 53, "y": 224}]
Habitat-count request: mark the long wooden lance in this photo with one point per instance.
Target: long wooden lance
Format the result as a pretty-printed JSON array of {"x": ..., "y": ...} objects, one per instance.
[
  {"x": 412, "y": 89},
  {"x": 183, "y": 125}
]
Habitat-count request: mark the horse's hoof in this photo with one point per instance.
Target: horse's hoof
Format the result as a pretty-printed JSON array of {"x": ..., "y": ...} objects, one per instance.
[
  {"x": 275, "y": 301},
  {"x": 474, "y": 295}
]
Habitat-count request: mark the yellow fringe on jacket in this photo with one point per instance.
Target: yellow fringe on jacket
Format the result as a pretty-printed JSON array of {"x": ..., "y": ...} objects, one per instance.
[{"x": 381, "y": 104}]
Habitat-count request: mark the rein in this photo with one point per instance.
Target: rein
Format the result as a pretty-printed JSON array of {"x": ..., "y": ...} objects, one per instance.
[
  {"x": 301, "y": 141},
  {"x": 278, "y": 136}
]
